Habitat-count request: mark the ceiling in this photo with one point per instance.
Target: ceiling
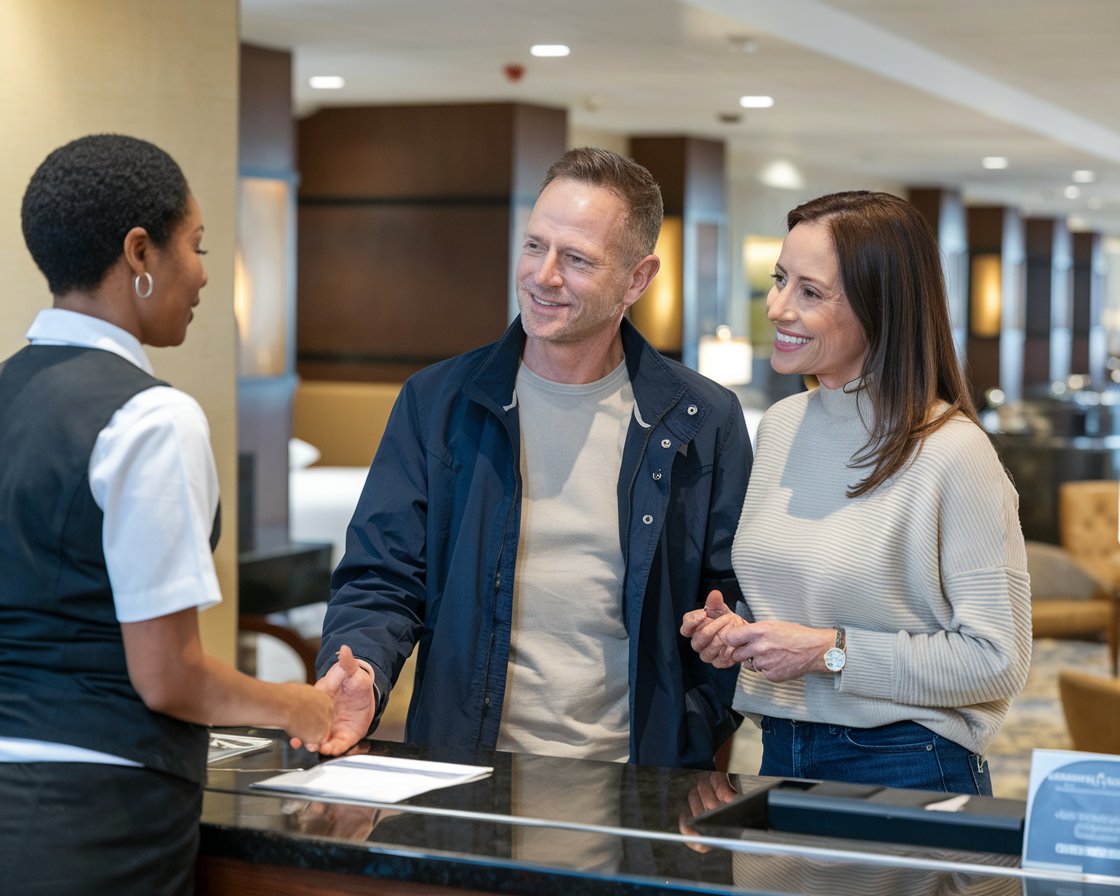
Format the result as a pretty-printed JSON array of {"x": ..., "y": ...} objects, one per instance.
[{"x": 913, "y": 91}]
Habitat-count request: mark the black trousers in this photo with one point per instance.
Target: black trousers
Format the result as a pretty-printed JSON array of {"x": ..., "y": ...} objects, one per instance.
[{"x": 83, "y": 828}]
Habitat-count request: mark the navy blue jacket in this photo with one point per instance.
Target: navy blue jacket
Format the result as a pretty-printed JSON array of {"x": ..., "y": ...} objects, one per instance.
[{"x": 431, "y": 550}]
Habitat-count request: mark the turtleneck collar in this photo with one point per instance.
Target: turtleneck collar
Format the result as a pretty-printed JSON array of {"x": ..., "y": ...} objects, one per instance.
[{"x": 851, "y": 400}]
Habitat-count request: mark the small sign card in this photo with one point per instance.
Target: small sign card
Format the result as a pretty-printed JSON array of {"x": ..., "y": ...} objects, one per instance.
[{"x": 1073, "y": 812}]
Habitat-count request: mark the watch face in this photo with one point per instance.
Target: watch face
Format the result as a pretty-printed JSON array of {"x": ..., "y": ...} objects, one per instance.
[{"x": 834, "y": 659}]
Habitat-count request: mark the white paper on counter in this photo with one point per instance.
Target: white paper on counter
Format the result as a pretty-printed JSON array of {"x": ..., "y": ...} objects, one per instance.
[{"x": 375, "y": 779}]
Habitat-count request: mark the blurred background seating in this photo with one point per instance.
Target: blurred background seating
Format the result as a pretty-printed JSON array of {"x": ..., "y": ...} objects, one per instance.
[
  {"x": 1089, "y": 528},
  {"x": 1067, "y": 601},
  {"x": 1092, "y": 708}
]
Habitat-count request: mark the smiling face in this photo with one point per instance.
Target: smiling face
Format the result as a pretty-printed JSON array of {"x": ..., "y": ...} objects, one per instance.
[
  {"x": 177, "y": 277},
  {"x": 576, "y": 273},
  {"x": 817, "y": 332}
]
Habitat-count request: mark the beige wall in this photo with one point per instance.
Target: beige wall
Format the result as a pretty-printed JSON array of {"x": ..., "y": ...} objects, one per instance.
[{"x": 166, "y": 71}]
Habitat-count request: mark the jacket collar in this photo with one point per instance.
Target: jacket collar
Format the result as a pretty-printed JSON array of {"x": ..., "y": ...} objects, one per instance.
[{"x": 657, "y": 386}]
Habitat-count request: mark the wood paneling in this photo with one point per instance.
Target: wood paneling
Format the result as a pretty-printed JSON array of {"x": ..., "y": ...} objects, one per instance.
[
  {"x": 409, "y": 151},
  {"x": 1088, "y": 351},
  {"x": 408, "y": 218},
  {"x": 266, "y": 149},
  {"x": 690, "y": 172},
  {"x": 1048, "y": 296},
  {"x": 266, "y": 132},
  {"x": 229, "y": 877},
  {"x": 406, "y": 282},
  {"x": 997, "y": 361}
]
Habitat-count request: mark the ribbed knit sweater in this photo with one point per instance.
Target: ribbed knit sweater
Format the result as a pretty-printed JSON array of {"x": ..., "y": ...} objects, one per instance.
[{"x": 927, "y": 573}]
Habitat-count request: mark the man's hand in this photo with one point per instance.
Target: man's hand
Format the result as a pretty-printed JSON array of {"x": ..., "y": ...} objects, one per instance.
[
  {"x": 712, "y": 789},
  {"x": 351, "y": 686},
  {"x": 707, "y": 630}
]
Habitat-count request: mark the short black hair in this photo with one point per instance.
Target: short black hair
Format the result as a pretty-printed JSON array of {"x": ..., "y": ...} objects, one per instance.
[{"x": 87, "y": 195}]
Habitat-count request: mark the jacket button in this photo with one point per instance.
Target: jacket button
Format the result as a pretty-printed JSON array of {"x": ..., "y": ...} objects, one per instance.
[
  {"x": 692, "y": 410},
  {"x": 666, "y": 443},
  {"x": 647, "y": 519},
  {"x": 657, "y": 475}
]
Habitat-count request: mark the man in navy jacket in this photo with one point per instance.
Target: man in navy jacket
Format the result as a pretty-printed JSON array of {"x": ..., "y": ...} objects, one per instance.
[{"x": 542, "y": 512}]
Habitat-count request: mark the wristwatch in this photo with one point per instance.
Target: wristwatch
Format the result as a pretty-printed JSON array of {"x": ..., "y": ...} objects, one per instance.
[{"x": 834, "y": 657}]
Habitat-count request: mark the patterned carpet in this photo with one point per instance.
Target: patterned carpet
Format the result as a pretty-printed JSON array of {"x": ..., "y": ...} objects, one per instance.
[{"x": 1035, "y": 720}]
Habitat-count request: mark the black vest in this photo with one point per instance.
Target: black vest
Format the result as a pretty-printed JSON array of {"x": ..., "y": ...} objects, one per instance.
[{"x": 63, "y": 676}]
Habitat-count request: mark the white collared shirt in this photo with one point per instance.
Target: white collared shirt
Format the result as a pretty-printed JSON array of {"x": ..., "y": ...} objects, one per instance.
[{"x": 152, "y": 474}]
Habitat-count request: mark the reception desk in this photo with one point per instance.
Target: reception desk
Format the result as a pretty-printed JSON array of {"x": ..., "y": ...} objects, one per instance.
[{"x": 553, "y": 827}]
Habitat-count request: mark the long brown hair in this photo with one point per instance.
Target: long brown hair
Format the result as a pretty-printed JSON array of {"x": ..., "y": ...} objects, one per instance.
[{"x": 890, "y": 267}]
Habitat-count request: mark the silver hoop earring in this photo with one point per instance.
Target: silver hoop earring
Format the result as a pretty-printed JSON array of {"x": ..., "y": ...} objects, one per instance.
[{"x": 145, "y": 278}]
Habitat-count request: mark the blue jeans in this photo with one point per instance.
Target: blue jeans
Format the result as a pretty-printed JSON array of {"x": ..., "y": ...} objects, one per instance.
[{"x": 904, "y": 754}]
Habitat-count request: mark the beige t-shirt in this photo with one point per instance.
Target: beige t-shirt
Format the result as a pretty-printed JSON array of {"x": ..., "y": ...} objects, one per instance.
[{"x": 567, "y": 685}]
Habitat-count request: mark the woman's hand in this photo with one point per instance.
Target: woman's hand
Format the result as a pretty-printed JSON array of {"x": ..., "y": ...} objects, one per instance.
[
  {"x": 173, "y": 675},
  {"x": 310, "y": 713},
  {"x": 779, "y": 651}
]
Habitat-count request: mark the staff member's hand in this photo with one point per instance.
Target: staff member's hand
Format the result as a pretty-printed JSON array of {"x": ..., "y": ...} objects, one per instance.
[{"x": 350, "y": 684}]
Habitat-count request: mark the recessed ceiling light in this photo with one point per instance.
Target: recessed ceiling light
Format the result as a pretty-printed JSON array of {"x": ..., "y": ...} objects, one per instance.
[
  {"x": 756, "y": 102},
  {"x": 1071, "y": 192},
  {"x": 327, "y": 82},
  {"x": 1084, "y": 176},
  {"x": 550, "y": 49},
  {"x": 994, "y": 163},
  {"x": 782, "y": 174}
]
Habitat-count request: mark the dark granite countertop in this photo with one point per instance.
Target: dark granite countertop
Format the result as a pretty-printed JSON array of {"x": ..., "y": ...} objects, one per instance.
[{"x": 543, "y": 826}]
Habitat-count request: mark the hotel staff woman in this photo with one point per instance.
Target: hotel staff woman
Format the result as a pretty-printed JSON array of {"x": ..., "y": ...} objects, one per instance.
[
  {"x": 108, "y": 500},
  {"x": 879, "y": 549}
]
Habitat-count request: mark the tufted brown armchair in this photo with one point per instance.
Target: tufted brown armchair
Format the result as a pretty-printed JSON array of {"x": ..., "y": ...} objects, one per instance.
[
  {"x": 1092, "y": 708},
  {"x": 1088, "y": 526},
  {"x": 1068, "y": 602}
]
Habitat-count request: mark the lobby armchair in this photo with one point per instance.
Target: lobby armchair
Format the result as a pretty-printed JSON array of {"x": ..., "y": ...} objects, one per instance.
[
  {"x": 1069, "y": 602},
  {"x": 1089, "y": 526},
  {"x": 1091, "y": 704}
]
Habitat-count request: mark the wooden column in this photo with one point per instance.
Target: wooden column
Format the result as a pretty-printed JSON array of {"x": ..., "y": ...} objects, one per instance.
[
  {"x": 1089, "y": 343},
  {"x": 1046, "y": 351},
  {"x": 995, "y": 301},
  {"x": 690, "y": 298},
  {"x": 265, "y": 304},
  {"x": 409, "y": 218},
  {"x": 944, "y": 209}
]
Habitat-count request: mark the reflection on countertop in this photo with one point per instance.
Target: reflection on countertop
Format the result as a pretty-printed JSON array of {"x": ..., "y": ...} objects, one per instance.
[{"x": 543, "y": 825}]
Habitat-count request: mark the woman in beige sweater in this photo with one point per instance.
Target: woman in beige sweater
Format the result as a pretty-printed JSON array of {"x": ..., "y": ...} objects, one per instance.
[{"x": 886, "y": 624}]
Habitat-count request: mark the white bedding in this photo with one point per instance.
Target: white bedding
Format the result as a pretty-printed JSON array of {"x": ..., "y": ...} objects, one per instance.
[{"x": 321, "y": 501}]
